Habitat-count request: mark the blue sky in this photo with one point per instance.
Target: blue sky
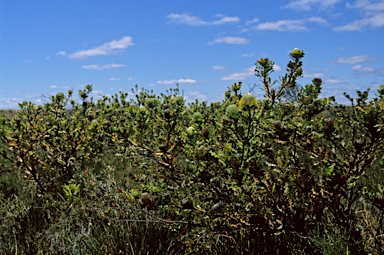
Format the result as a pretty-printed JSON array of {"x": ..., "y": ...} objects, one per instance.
[{"x": 48, "y": 47}]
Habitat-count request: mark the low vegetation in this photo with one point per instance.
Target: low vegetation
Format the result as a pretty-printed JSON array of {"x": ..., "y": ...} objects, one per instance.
[{"x": 154, "y": 176}]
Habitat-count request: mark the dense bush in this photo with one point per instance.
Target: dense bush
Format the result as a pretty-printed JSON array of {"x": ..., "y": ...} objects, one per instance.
[{"x": 241, "y": 176}]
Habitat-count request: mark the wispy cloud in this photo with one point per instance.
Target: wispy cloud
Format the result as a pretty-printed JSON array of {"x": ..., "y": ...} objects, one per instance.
[
  {"x": 286, "y": 25},
  {"x": 28, "y": 60},
  {"x": 334, "y": 81},
  {"x": 367, "y": 5},
  {"x": 97, "y": 67},
  {"x": 218, "y": 67},
  {"x": 177, "y": 81},
  {"x": 248, "y": 72},
  {"x": 53, "y": 87},
  {"x": 376, "y": 21},
  {"x": 114, "y": 79},
  {"x": 191, "y": 20},
  {"x": 374, "y": 12},
  {"x": 130, "y": 79},
  {"x": 307, "y": 5},
  {"x": 108, "y": 48},
  {"x": 242, "y": 75},
  {"x": 34, "y": 95},
  {"x": 367, "y": 70},
  {"x": 361, "y": 68},
  {"x": 196, "y": 95},
  {"x": 230, "y": 40},
  {"x": 353, "y": 60},
  {"x": 282, "y": 25},
  {"x": 249, "y": 22},
  {"x": 248, "y": 55},
  {"x": 307, "y": 74}
]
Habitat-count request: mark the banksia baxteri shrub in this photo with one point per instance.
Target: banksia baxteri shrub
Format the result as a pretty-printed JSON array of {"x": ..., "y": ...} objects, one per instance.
[
  {"x": 232, "y": 111},
  {"x": 296, "y": 53},
  {"x": 190, "y": 131},
  {"x": 177, "y": 99},
  {"x": 236, "y": 86},
  {"x": 197, "y": 116},
  {"x": 277, "y": 124},
  {"x": 187, "y": 204},
  {"x": 248, "y": 101},
  {"x": 142, "y": 108},
  {"x": 151, "y": 102},
  {"x": 94, "y": 122},
  {"x": 317, "y": 81},
  {"x": 225, "y": 121},
  {"x": 59, "y": 96},
  {"x": 264, "y": 62},
  {"x": 329, "y": 121},
  {"x": 381, "y": 89},
  {"x": 146, "y": 199},
  {"x": 163, "y": 147},
  {"x": 205, "y": 132},
  {"x": 167, "y": 114}
]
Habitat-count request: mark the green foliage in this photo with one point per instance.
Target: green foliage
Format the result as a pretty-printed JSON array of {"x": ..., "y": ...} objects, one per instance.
[
  {"x": 248, "y": 102},
  {"x": 232, "y": 111},
  {"x": 153, "y": 176},
  {"x": 71, "y": 189}
]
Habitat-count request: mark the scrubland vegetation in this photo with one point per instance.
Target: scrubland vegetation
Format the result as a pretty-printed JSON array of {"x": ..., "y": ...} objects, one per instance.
[{"x": 155, "y": 176}]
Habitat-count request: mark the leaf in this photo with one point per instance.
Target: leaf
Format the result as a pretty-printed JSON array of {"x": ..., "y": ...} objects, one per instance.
[{"x": 269, "y": 164}]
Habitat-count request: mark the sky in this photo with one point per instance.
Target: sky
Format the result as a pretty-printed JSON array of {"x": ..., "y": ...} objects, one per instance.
[{"x": 47, "y": 47}]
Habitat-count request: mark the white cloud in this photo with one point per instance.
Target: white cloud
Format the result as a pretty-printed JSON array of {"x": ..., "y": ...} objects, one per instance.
[
  {"x": 317, "y": 20},
  {"x": 373, "y": 12},
  {"x": 61, "y": 53},
  {"x": 53, "y": 87},
  {"x": 195, "y": 95},
  {"x": 105, "y": 49},
  {"x": 167, "y": 82},
  {"x": 47, "y": 58},
  {"x": 367, "y": 5},
  {"x": 196, "y": 21},
  {"x": 353, "y": 60},
  {"x": 306, "y": 74},
  {"x": 130, "y": 79},
  {"x": 367, "y": 70},
  {"x": 10, "y": 103},
  {"x": 248, "y": 72},
  {"x": 114, "y": 79},
  {"x": 376, "y": 21},
  {"x": 306, "y": 5},
  {"x": 97, "y": 67},
  {"x": 334, "y": 80},
  {"x": 248, "y": 22},
  {"x": 218, "y": 67},
  {"x": 28, "y": 60},
  {"x": 177, "y": 81},
  {"x": 34, "y": 95},
  {"x": 248, "y": 55},
  {"x": 186, "y": 81},
  {"x": 276, "y": 67},
  {"x": 282, "y": 25},
  {"x": 290, "y": 25},
  {"x": 230, "y": 40}
]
